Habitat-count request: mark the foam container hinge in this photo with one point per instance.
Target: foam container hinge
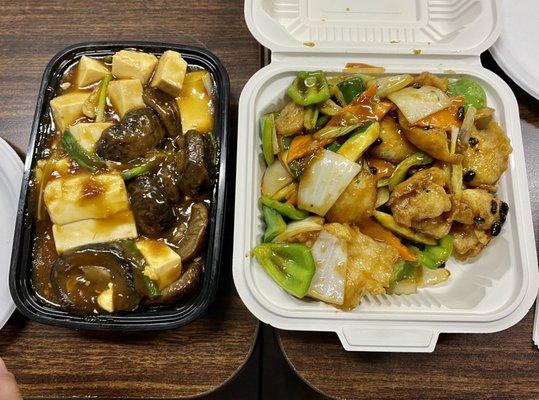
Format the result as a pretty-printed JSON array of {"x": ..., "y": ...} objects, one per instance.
[{"x": 489, "y": 293}]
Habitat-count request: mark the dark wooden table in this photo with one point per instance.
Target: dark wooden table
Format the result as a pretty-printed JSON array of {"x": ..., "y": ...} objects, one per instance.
[
  {"x": 467, "y": 366},
  {"x": 54, "y": 362}
]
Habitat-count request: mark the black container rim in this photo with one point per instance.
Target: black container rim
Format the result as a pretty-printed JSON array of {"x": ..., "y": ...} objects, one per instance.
[{"x": 24, "y": 296}]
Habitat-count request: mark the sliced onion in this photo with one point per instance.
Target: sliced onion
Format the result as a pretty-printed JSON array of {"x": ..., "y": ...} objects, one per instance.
[
  {"x": 330, "y": 254},
  {"x": 275, "y": 178},
  {"x": 431, "y": 277},
  {"x": 406, "y": 286},
  {"x": 467, "y": 126},
  {"x": 419, "y": 103},
  {"x": 382, "y": 196},
  {"x": 389, "y": 84},
  {"x": 309, "y": 224}
]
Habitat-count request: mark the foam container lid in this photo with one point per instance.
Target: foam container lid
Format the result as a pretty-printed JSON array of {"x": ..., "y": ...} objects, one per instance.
[{"x": 487, "y": 294}]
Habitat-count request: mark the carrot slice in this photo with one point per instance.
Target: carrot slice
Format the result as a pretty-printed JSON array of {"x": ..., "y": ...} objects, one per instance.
[
  {"x": 303, "y": 145},
  {"x": 444, "y": 119},
  {"x": 361, "y": 107},
  {"x": 376, "y": 231}
]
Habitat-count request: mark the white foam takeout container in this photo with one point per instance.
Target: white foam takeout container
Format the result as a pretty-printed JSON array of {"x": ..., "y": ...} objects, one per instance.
[{"x": 486, "y": 294}]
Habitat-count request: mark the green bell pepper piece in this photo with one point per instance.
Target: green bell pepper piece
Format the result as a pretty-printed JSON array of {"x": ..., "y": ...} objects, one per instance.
[
  {"x": 275, "y": 224},
  {"x": 434, "y": 257},
  {"x": 351, "y": 88},
  {"x": 310, "y": 118},
  {"x": 285, "y": 209},
  {"x": 334, "y": 147},
  {"x": 285, "y": 141},
  {"x": 360, "y": 141},
  {"x": 400, "y": 172},
  {"x": 309, "y": 88},
  {"x": 473, "y": 92},
  {"x": 404, "y": 270},
  {"x": 291, "y": 265},
  {"x": 79, "y": 154},
  {"x": 267, "y": 128}
]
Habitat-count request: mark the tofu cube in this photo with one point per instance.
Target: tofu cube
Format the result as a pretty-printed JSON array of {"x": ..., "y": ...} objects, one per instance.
[
  {"x": 89, "y": 71},
  {"x": 195, "y": 103},
  {"x": 88, "y": 133},
  {"x": 170, "y": 73},
  {"x": 82, "y": 196},
  {"x": 105, "y": 300},
  {"x": 163, "y": 265},
  {"x": 125, "y": 95},
  {"x": 129, "y": 64},
  {"x": 89, "y": 231},
  {"x": 67, "y": 108}
]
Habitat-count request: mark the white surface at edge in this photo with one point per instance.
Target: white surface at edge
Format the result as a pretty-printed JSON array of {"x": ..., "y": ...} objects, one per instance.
[
  {"x": 11, "y": 164},
  {"x": 510, "y": 54}
]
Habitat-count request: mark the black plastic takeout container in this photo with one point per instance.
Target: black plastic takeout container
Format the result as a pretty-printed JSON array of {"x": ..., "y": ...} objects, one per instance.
[{"x": 162, "y": 317}]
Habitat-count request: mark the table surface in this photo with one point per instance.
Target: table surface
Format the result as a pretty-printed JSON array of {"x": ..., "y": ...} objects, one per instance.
[
  {"x": 463, "y": 366},
  {"x": 57, "y": 362},
  {"x": 60, "y": 363}
]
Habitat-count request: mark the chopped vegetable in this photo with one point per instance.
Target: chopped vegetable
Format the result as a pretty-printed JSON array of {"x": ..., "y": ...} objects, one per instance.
[
  {"x": 84, "y": 158},
  {"x": 382, "y": 197},
  {"x": 102, "y": 102},
  {"x": 322, "y": 120},
  {"x": 400, "y": 172},
  {"x": 434, "y": 256},
  {"x": 351, "y": 88},
  {"x": 286, "y": 192},
  {"x": 382, "y": 183},
  {"x": 431, "y": 277},
  {"x": 90, "y": 104},
  {"x": 324, "y": 179},
  {"x": 332, "y": 132},
  {"x": 359, "y": 111},
  {"x": 330, "y": 255},
  {"x": 309, "y": 88},
  {"x": 285, "y": 209},
  {"x": 360, "y": 141},
  {"x": 467, "y": 127},
  {"x": 275, "y": 178},
  {"x": 473, "y": 92},
  {"x": 147, "y": 166},
  {"x": 389, "y": 222},
  {"x": 375, "y": 230},
  {"x": 329, "y": 108},
  {"x": 275, "y": 224},
  {"x": 361, "y": 68},
  {"x": 291, "y": 265},
  {"x": 310, "y": 117},
  {"x": 444, "y": 119},
  {"x": 404, "y": 270},
  {"x": 389, "y": 84},
  {"x": 417, "y": 104},
  {"x": 334, "y": 146},
  {"x": 405, "y": 286},
  {"x": 267, "y": 129},
  {"x": 293, "y": 229},
  {"x": 139, "y": 261}
]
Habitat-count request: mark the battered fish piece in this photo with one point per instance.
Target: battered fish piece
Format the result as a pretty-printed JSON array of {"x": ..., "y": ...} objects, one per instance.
[
  {"x": 290, "y": 120},
  {"x": 433, "y": 142},
  {"x": 479, "y": 207},
  {"x": 370, "y": 263},
  {"x": 420, "y": 197},
  {"x": 357, "y": 201},
  {"x": 468, "y": 241},
  {"x": 488, "y": 157},
  {"x": 394, "y": 147}
]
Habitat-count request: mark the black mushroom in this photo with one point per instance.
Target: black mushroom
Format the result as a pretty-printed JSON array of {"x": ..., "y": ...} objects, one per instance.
[
  {"x": 80, "y": 276},
  {"x": 184, "y": 286},
  {"x": 188, "y": 236},
  {"x": 168, "y": 174},
  {"x": 139, "y": 131},
  {"x": 197, "y": 171},
  {"x": 165, "y": 106},
  {"x": 153, "y": 213}
]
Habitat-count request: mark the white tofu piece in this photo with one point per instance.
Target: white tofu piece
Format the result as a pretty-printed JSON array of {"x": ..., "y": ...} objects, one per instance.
[
  {"x": 88, "y": 133},
  {"x": 129, "y": 64},
  {"x": 164, "y": 265},
  {"x": 90, "y": 71},
  {"x": 125, "y": 95},
  {"x": 88, "y": 231},
  {"x": 105, "y": 299},
  {"x": 82, "y": 196},
  {"x": 170, "y": 73},
  {"x": 67, "y": 108}
]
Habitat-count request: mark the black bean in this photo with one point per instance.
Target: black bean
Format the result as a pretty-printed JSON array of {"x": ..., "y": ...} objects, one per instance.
[
  {"x": 479, "y": 220},
  {"x": 468, "y": 176},
  {"x": 496, "y": 228},
  {"x": 460, "y": 113},
  {"x": 374, "y": 170},
  {"x": 473, "y": 141},
  {"x": 493, "y": 206},
  {"x": 416, "y": 85},
  {"x": 377, "y": 142},
  {"x": 503, "y": 218},
  {"x": 504, "y": 209}
]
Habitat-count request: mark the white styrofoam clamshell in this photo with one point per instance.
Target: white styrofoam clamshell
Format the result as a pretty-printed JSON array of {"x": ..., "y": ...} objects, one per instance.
[
  {"x": 466, "y": 27},
  {"x": 487, "y": 294}
]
